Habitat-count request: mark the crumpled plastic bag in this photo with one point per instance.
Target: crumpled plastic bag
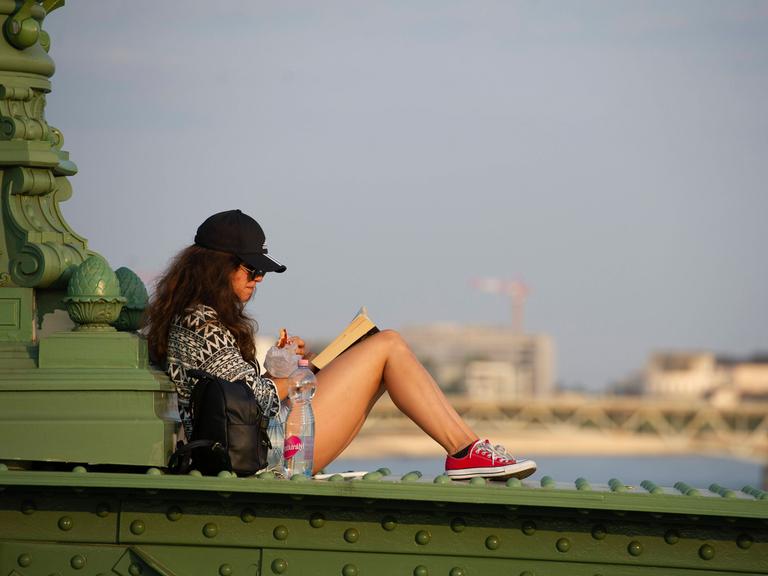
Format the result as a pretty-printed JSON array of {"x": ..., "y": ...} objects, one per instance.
[{"x": 281, "y": 362}]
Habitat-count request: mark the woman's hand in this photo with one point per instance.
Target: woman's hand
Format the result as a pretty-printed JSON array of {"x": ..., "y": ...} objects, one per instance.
[
  {"x": 286, "y": 340},
  {"x": 301, "y": 347}
]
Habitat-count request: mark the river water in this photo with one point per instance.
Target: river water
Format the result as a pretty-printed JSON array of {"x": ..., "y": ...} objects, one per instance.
[{"x": 698, "y": 471}]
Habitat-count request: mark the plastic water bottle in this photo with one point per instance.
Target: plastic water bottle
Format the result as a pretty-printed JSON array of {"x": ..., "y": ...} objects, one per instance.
[
  {"x": 299, "y": 446},
  {"x": 276, "y": 432}
]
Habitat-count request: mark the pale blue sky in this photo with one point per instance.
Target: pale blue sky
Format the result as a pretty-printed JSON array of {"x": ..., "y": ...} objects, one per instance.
[{"x": 614, "y": 155}]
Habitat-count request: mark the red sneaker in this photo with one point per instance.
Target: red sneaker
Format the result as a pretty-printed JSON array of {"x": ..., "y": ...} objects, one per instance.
[{"x": 485, "y": 460}]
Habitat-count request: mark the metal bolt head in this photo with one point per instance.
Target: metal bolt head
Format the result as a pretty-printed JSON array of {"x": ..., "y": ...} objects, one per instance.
[
  {"x": 457, "y": 571},
  {"x": 279, "y": 566},
  {"x": 528, "y": 527},
  {"x": 103, "y": 510},
  {"x": 349, "y": 570},
  {"x": 247, "y": 515},
  {"x": 671, "y": 536},
  {"x": 138, "y": 527},
  {"x": 389, "y": 523},
  {"x": 65, "y": 523},
  {"x": 563, "y": 545},
  {"x": 210, "y": 530},
  {"x": 317, "y": 520},
  {"x": 351, "y": 535},
  {"x": 280, "y": 532},
  {"x": 173, "y": 514},
  {"x": 24, "y": 560},
  {"x": 744, "y": 541},
  {"x": 423, "y": 537},
  {"x": 420, "y": 570},
  {"x": 635, "y": 548},
  {"x": 225, "y": 570},
  {"x": 77, "y": 562},
  {"x": 599, "y": 532},
  {"x": 706, "y": 552},
  {"x": 492, "y": 542},
  {"x": 458, "y": 524}
]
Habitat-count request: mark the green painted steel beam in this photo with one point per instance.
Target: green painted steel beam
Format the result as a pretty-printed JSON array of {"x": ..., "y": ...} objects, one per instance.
[{"x": 441, "y": 490}]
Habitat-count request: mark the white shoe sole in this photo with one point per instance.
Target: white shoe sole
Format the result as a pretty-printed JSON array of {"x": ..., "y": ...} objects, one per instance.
[{"x": 520, "y": 470}]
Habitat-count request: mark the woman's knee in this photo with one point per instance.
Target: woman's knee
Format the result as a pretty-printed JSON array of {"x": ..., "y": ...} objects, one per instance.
[{"x": 392, "y": 340}]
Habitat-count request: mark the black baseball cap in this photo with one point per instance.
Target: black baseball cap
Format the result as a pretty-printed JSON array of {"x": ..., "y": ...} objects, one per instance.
[{"x": 239, "y": 234}]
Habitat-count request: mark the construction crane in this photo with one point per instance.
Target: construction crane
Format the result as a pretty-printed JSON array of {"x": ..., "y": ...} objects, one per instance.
[{"x": 516, "y": 290}]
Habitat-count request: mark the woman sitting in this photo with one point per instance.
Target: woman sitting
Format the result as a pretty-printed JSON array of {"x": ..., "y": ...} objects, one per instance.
[{"x": 196, "y": 319}]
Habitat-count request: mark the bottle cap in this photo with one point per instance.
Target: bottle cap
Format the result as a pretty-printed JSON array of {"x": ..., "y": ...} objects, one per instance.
[{"x": 303, "y": 362}]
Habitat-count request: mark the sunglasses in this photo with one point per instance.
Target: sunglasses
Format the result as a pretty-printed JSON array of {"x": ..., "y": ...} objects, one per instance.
[{"x": 252, "y": 274}]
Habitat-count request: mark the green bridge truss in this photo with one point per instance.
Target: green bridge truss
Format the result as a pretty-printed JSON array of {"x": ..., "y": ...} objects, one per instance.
[
  {"x": 87, "y": 425},
  {"x": 83, "y": 522}
]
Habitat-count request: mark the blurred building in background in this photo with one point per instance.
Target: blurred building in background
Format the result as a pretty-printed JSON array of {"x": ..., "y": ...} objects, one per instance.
[
  {"x": 485, "y": 362},
  {"x": 701, "y": 376}
]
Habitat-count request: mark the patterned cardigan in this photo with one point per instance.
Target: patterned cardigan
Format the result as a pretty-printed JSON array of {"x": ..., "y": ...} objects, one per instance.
[{"x": 199, "y": 340}]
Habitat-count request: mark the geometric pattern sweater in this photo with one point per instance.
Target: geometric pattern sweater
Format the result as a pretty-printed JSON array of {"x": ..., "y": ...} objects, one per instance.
[{"x": 197, "y": 339}]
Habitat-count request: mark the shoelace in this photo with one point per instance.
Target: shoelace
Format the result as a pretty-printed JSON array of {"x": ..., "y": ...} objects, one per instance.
[{"x": 486, "y": 448}]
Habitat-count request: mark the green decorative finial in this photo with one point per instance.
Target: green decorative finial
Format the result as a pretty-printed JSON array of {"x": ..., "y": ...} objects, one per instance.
[
  {"x": 93, "y": 295},
  {"x": 135, "y": 293}
]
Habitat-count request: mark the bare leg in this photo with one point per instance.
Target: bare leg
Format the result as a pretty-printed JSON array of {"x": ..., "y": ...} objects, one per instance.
[{"x": 350, "y": 385}]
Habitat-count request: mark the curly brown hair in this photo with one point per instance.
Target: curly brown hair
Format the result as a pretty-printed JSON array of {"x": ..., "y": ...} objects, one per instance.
[{"x": 195, "y": 276}]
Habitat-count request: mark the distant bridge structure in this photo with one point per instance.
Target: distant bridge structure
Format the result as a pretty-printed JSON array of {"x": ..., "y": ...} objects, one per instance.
[{"x": 619, "y": 425}]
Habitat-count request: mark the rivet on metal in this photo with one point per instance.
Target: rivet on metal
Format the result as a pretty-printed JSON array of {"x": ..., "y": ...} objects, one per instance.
[
  {"x": 684, "y": 488},
  {"x": 247, "y": 515},
  {"x": 599, "y": 532},
  {"x": 138, "y": 527},
  {"x": 349, "y": 570},
  {"x": 635, "y": 548},
  {"x": 79, "y": 470},
  {"x": 173, "y": 514},
  {"x": 317, "y": 520},
  {"x": 77, "y": 562},
  {"x": 514, "y": 482},
  {"x": 280, "y": 532},
  {"x": 65, "y": 523},
  {"x": 617, "y": 485},
  {"x": 420, "y": 570},
  {"x": 547, "y": 482},
  {"x": 706, "y": 552},
  {"x": 389, "y": 523},
  {"x": 478, "y": 482},
  {"x": 210, "y": 530},
  {"x": 103, "y": 510},
  {"x": 671, "y": 536},
  {"x": 442, "y": 479},
  {"x": 411, "y": 476},
  {"x": 563, "y": 545},
  {"x": 24, "y": 560},
  {"x": 225, "y": 570},
  {"x": 458, "y": 524},
  {"x": 423, "y": 537},
  {"x": 744, "y": 541},
  {"x": 492, "y": 542},
  {"x": 135, "y": 569},
  {"x": 528, "y": 527},
  {"x": 279, "y": 565},
  {"x": 457, "y": 571},
  {"x": 351, "y": 535},
  {"x": 154, "y": 472},
  {"x": 582, "y": 484},
  {"x": 28, "y": 507}
]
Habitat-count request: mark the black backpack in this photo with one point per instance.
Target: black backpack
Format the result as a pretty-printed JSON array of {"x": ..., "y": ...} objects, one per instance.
[{"x": 229, "y": 429}]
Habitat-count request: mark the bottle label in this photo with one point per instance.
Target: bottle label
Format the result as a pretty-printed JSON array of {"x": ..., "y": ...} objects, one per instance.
[{"x": 292, "y": 446}]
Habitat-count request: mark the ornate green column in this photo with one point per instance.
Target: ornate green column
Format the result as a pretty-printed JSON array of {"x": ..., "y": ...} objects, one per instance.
[{"x": 82, "y": 396}]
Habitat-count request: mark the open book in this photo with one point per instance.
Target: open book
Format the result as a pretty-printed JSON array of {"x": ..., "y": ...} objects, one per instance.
[{"x": 360, "y": 327}]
